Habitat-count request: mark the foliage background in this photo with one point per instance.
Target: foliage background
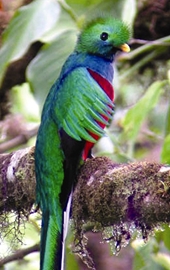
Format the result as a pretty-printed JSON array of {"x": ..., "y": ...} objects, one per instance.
[{"x": 36, "y": 38}]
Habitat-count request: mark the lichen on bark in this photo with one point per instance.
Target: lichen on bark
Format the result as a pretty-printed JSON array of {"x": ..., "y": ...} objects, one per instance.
[
  {"x": 121, "y": 196},
  {"x": 17, "y": 192},
  {"x": 111, "y": 198}
]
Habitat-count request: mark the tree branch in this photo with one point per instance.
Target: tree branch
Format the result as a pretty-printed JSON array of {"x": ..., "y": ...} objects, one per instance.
[
  {"x": 125, "y": 197},
  {"x": 19, "y": 254},
  {"x": 21, "y": 138},
  {"x": 17, "y": 181},
  {"x": 109, "y": 193},
  {"x": 106, "y": 194}
]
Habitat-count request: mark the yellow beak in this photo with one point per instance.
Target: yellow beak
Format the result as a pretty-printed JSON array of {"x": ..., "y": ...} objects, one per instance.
[{"x": 125, "y": 47}]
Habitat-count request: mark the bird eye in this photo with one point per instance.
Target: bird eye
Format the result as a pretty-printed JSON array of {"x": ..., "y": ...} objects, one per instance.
[{"x": 104, "y": 36}]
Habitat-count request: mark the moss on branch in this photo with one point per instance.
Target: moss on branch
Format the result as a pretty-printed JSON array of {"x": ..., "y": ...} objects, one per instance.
[
  {"x": 122, "y": 196},
  {"x": 109, "y": 193},
  {"x": 17, "y": 181},
  {"x": 106, "y": 194}
]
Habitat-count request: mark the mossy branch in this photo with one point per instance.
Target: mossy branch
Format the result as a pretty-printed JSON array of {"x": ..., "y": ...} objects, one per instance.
[
  {"x": 106, "y": 192},
  {"x": 121, "y": 196},
  {"x": 109, "y": 193},
  {"x": 17, "y": 181}
]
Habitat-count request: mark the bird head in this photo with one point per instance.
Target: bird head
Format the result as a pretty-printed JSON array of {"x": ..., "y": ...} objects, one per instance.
[{"x": 104, "y": 37}]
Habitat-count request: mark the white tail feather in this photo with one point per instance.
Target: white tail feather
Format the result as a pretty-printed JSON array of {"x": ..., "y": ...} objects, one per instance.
[{"x": 66, "y": 217}]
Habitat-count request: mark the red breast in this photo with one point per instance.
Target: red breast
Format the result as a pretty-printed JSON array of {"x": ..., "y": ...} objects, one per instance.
[{"x": 108, "y": 89}]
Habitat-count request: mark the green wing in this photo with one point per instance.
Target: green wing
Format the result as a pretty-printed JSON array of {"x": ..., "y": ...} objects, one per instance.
[{"x": 79, "y": 103}]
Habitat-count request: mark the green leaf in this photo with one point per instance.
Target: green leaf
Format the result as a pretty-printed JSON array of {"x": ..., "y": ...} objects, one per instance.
[
  {"x": 166, "y": 236},
  {"x": 29, "y": 24},
  {"x": 136, "y": 115},
  {"x": 143, "y": 257},
  {"x": 163, "y": 235},
  {"x": 94, "y": 7},
  {"x": 167, "y": 125},
  {"x": 83, "y": 2},
  {"x": 165, "y": 155},
  {"x": 129, "y": 11},
  {"x": 71, "y": 261},
  {"x": 45, "y": 68},
  {"x": 23, "y": 102},
  {"x": 163, "y": 260}
]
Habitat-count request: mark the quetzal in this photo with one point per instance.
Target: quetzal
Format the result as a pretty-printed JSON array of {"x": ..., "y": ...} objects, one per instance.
[{"x": 76, "y": 111}]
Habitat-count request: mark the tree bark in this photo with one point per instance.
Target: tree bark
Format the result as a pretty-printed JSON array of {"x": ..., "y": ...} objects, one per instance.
[
  {"x": 17, "y": 181},
  {"x": 106, "y": 192},
  {"x": 118, "y": 199},
  {"x": 109, "y": 193},
  {"x": 121, "y": 196}
]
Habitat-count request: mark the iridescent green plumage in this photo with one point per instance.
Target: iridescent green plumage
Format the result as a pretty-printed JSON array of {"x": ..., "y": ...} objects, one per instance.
[
  {"x": 75, "y": 113},
  {"x": 78, "y": 118},
  {"x": 118, "y": 34}
]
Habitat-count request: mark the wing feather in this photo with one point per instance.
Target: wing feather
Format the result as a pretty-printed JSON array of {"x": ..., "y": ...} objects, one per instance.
[{"x": 84, "y": 105}]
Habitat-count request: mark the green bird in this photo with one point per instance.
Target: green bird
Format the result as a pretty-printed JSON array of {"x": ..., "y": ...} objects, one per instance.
[{"x": 78, "y": 108}]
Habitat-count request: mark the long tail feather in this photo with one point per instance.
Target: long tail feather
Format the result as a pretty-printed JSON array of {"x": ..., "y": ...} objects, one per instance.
[
  {"x": 66, "y": 216},
  {"x": 50, "y": 244},
  {"x": 53, "y": 241},
  {"x": 44, "y": 229}
]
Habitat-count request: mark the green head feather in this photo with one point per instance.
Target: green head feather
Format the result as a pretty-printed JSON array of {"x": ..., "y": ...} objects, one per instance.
[{"x": 103, "y": 36}]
